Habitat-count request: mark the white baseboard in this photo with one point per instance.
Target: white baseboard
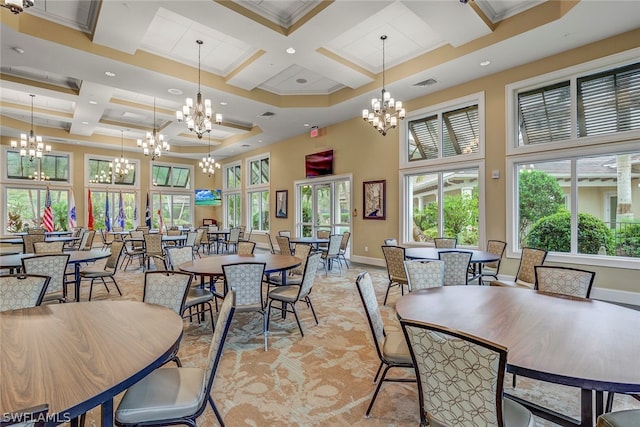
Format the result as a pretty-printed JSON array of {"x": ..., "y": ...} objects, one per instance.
[
  {"x": 368, "y": 260},
  {"x": 612, "y": 295}
]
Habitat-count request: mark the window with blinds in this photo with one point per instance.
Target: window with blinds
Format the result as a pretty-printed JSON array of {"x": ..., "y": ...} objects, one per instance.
[
  {"x": 609, "y": 102},
  {"x": 459, "y": 136},
  {"x": 544, "y": 114}
]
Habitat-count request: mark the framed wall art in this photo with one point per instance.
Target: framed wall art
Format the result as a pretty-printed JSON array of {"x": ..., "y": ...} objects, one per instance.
[
  {"x": 281, "y": 203},
  {"x": 374, "y": 199}
]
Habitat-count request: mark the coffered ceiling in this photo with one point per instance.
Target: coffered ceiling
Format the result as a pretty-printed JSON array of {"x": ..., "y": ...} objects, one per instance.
[{"x": 97, "y": 67}]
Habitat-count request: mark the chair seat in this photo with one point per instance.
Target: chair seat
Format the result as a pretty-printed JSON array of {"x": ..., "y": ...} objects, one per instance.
[
  {"x": 164, "y": 394},
  {"x": 91, "y": 273},
  {"x": 627, "y": 418},
  {"x": 512, "y": 284},
  {"x": 291, "y": 280},
  {"x": 288, "y": 293},
  {"x": 198, "y": 296},
  {"x": 395, "y": 348},
  {"x": 53, "y": 296},
  {"x": 516, "y": 415}
]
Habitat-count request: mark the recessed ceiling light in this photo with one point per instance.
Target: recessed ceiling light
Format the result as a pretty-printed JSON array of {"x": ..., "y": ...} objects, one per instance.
[
  {"x": 261, "y": 141},
  {"x": 485, "y": 63},
  {"x": 19, "y": 50},
  {"x": 109, "y": 74},
  {"x": 173, "y": 91},
  {"x": 223, "y": 102},
  {"x": 291, "y": 50},
  {"x": 93, "y": 102},
  {"x": 301, "y": 81},
  {"x": 306, "y": 125},
  {"x": 85, "y": 123}
]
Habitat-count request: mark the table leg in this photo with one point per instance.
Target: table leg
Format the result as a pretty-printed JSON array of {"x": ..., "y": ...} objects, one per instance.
[
  {"x": 586, "y": 407},
  {"x": 107, "y": 413},
  {"x": 77, "y": 281}
]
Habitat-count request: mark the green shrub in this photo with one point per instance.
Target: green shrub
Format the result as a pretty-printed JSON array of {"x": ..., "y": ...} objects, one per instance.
[
  {"x": 553, "y": 233},
  {"x": 628, "y": 239}
]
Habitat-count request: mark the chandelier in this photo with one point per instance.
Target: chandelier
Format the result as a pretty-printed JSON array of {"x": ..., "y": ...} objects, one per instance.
[
  {"x": 198, "y": 116},
  {"x": 101, "y": 178},
  {"x": 16, "y": 6},
  {"x": 154, "y": 143},
  {"x": 31, "y": 145},
  {"x": 385, "y": 111},
  {"x": 208, "y": 164},
  {"x": 121, "y": 166}
]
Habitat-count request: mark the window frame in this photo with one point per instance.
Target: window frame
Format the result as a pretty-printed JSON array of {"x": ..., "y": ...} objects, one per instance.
[
  {"x": 259, "y": 188},
  {"x": 231, "y": 191},
  {"x": 171, "y": 166},
  {"x": 5, "y": 173},
  {"x": 102, "y": 186}
]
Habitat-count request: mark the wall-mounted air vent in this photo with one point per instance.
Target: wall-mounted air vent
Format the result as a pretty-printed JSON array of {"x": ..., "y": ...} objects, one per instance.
[
  {"x": 427, "y": 82},
  {"x": 267, "y": 114}
]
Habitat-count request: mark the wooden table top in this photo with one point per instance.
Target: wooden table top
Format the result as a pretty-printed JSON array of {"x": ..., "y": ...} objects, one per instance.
[
  {"x": 19, "y": 240},
  {"x": 77, "y": 356},
  {"x": 212, "y": 265},
  {"x": 582, "y": 343},
  {"x": 477, "y": 256},
  {"x": 15, "y": 260},
  {"x": 309, "y": 240}
]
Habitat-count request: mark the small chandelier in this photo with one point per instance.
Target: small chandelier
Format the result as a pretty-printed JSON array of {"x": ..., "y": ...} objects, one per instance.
[
  {"x": 198, "y": 116},
  {"x": 208, "y": 164},
  {"x": 16, "y": 6},
  {"x": 101, "y": 178},
  {"x": 31, "y": 145},
  {"x": 40, "y": 176},
  {"x": 121, "y": 166},
  {"x": 385, "y": 111},
  {"x": 154, "y": 143}
]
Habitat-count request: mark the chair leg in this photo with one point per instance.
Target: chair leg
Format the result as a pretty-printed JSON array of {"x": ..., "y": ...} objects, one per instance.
[
  {"x": 375, "y": 379},
  {"x": 308, "y": 301},
  {"x": 215, "y": 410},
  {"x": 116, "y": 284},
  {"x": 386, "y": 295},
  {"x": 375, "y": 394},
  {"x": 264, "y": 329},
  {"x": 295, "y": 313},
  {"x": 91, "y": 289}
]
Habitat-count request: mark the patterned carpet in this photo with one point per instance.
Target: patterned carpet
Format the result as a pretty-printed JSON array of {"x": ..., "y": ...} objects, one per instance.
[{"x": 324, "y": 378}]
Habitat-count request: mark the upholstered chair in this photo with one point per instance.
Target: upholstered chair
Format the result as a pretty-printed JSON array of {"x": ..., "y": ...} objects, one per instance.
[
  {"x": 491, "y": 269},
  {"x": 134, "y": 248},
  {"x": 526, "y": 275},
  {"x": 626, "y": 418},
  {"x": 22, "y": 290},
  {"x": 54, "y": 266},
  {"x": 332, "y": 254},
  {"x": 231, "y": 243},
  {"x": 564, "y": 280},
  {"x": 343, "y": 247},
  {"x": 284, "y": 244},
  {"x": 456, "y": 267},
  {"x": 246, "y": 248},
  {"x": 48, "y": 247},
  {"x": 153, "y": 250},
  {"x": 423, "y": 274},
  {"x": 294, "y": 276},
  {"x": 108, "y": 272},
  {"x": 394, "y": 256},
  {"x": 28, "y": 240},
  {"x": 445, "y": 242}
]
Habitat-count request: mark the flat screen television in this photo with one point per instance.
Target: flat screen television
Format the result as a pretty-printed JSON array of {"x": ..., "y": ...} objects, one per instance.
[
  {"x": 319, "y": 164},
  {"x": 205, "y": 197}
]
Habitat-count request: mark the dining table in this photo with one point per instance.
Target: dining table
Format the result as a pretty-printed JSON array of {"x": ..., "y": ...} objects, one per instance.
[
  {"x": 313, "y": 241},
  {"x": 583, "y": 343},
  {"x": 478, "y": 257},
  {"x": 20, "y": 241},
  {"x": 75, "y": 357},
  {"x": 14, "y": 263},
  {"x": 216, "y": 237}
]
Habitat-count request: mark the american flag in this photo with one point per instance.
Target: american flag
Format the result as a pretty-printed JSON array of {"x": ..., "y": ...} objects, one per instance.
[{"x": 47, "y": 218}]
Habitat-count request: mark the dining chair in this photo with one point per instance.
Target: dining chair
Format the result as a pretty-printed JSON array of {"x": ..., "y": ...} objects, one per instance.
[
  {"x": 461, "y": 378},
  {"x": 623, "y": 418},
  {"x": 143, "y": 228},
  {"x": 232, "y": 241},
  {"x": 28, "y": 241},
  {"x": 153, "y": 250},
  {"x": 36, "y": 230},
  {"x": 245, "y": 279},
  {"x": 22, "y": 290},
  {"x": 344, "y": 243},
  {"x": 332, "y": 254},
  {"x": 391, "y": 347},
  {"x": 391, "y": 242},
  {"x": 394, "y": 257},
  {"x": 86, "y": 243},
  {"x": 294, "y": 275},
  {"x": 287, "y": 296},
  {"x": 48, "y": 247},
  {"x": 27, "y": 417},
  {"x": 564, "y": 280},
  {"x": 107, "y": 272},
  {"x": 198, "y": 298},
  {"x": 526, "y": 275},
  {"x": 490, "y": 269},
  {"x": 168, "y": 289},
  {"x": 54, "y": 266},
  {"x": 134, "y": 248},
  {"x": 246, "y": 247},
  {"x": 323, "y": 234},
  {"x": 192, "y": 237},
  {"x": 200, "y": 241},
  {"x": 177, "y": 395},
  {"x": 445, "y": 242},
  {"x": 285, "y": 233},
  {"x": 75, "y": 245},
  {"x": 271, "y": 247},
  {"x": 456, "y": 267},
  {"x": 422, "y": 274},
  {"x": 107, "y": 239},
  {"x": 284, "y": 244}
]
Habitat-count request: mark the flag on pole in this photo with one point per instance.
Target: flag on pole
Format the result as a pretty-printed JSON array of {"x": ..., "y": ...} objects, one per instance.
[
  {"x": 107, "y": 218},
  {"x": 160, "y": 221},
  {"x": 147, "y": 213},
  {"x": 135, "y": 216},
  {"x": 121, "y": 216},
  {"x": 72, "y": 219},
  {"x": 90, "y": 211},
  {"x": 47, "y": 218}
]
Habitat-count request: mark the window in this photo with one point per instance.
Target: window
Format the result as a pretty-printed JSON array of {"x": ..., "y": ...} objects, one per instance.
[
  {"x": 232, "y": 177},
  {"x": 25, "y": 207},
  {"x": 99, "y": 172},
  {"x": 258, "y": 192},
  {"x": 231, "y": 193},
  {"x": 582, "y": 205},
  {"x": 171, "y": 210},
  {"x": 232, "y": 210},
  {"x": 126, "y": 218},
  {"x": 442, "y": 173},
  {"x": 54, "y": 167},
  {"x": 171, "y": 176}
]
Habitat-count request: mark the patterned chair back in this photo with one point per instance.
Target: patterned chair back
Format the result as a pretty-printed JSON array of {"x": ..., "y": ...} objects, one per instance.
[
  {"x": 48, "y": 247},
  {"x": 271, "y": 247},
  {"x": 470, "y": 395},
  {"x": 167, "y": 288},
  {"x": 391, "y": 242},
  {"x": 179, "y": 255},
  {"x": 22, "y": 290},
  {"x": 284, "y": 244},
  {"x": 246, "y": 248},
  {"x": 87, "y": 240},
  {"x": 191, "y": 238},
  {"x": 114, "y": 258},
  {"x": 234, "y": 237},
  {"x": 28, "y": 240},
  {"x": 309, "y": 276},
  {"x": 245, "y": 278},
  {"x": 323, "y": 234},
  {"x": 394, "y": 256},
  {"x": 153, "y": 245},
  {"x": 529, "y": 259},
  {"x": 52, "y": 265},
  {"x": 345, "y": 241},
  {"x": 137, "y": 234},
  {"x": 223, "y": 322},
  {"x": 371, "y": 308},
  {"x": 285, "y": 233},
  {"x": 495, "y": 247},
  {"x": 456, "y": 267},
  {"x": 36, "y": 230},
  {"x": 445, "y": 242},
  {"x": 301, "y": 251},
  {"x": 564, "y": 280},
  {"x": 335, "y": 240},
  {"x": 424, "y": 274}
]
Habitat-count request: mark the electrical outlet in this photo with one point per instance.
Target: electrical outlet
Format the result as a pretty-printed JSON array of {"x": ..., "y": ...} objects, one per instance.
[{"x": 366, "y": 248}]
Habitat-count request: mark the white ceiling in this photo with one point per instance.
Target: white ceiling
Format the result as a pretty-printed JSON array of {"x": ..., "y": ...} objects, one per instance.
[{"x": 59, "y": 50}]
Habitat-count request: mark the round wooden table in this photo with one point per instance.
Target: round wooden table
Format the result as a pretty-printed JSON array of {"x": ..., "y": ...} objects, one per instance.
[
  {"x": 212, "y": 265},
  {"x": 14, "y": 263},
  {"x": 587, "y": 344},
  {"x": 477, "y": 257},
  {"x": 75, "y": 357},
  {"x": 315, "y": 241},
  {"x": 20, "y": 241}
]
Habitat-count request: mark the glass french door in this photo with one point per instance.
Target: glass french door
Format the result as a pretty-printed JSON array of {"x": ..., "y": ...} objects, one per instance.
[{"x": 324, "y": 205}]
